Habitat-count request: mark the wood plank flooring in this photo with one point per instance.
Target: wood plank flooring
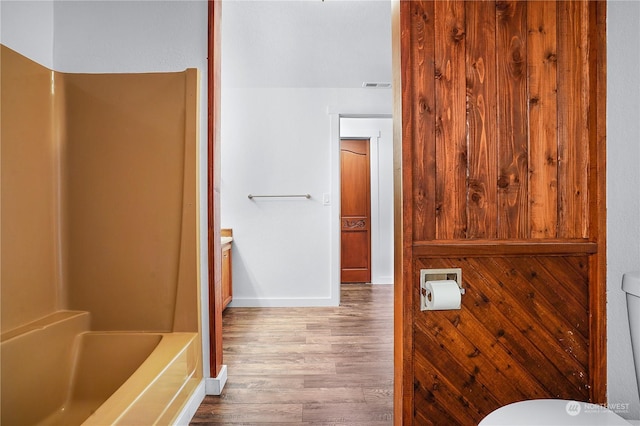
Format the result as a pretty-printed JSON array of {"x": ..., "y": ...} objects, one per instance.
[{"x": 308, "y": 366}]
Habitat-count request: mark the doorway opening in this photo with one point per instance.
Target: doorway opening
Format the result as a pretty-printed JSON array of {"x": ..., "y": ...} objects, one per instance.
[
  {"x": 285, "y": 98},
  {"x": 377, "y": 128}
]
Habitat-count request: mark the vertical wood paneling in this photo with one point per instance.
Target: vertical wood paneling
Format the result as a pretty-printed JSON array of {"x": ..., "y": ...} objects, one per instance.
[
  {"x": 512, "y": 120},
  {"x": 543, "y": 146},
  {"x": 423, "y": 120},
  {"x": 501, "y": 164},
  {"x": 523, "y": 162},
  {"x": 573, "y": 108},
  {"x": 481, "y": 117},
  {"x": 451, "y": 147}
]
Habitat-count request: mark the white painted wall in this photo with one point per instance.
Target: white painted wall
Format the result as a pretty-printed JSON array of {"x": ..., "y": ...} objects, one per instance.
[
  {"x": 278, "y": 141},
  {"x": 380, "y": 132},
  {"x": 623, "y": 192},
  {"x": 120, "y": 36}
]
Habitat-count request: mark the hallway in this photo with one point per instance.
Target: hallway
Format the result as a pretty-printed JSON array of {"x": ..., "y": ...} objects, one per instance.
[{"x": 308, "y": 366}]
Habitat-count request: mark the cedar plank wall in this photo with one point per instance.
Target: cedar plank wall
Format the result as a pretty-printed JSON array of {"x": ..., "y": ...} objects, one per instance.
[{"x": 502, "y": 174}]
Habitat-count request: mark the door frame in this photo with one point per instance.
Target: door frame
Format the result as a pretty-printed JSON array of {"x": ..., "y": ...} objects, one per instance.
[
  {"x": 214, "y": 254},
  {"x": 213, "y": 179},
  {"x": 374, "y": 140}
]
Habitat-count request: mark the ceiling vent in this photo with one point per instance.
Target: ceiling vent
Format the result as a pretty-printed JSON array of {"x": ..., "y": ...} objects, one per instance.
[{"x": 370, "y": 85}]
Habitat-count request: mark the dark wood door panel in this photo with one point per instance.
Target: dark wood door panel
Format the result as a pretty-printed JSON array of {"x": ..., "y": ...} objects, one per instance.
[
  {"x": 355, "y": 257},
  {"x": 354, "y": 180},
  {"x": 513, "y": 339}
]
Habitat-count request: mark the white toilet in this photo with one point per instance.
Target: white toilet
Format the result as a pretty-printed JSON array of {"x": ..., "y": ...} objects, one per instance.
[{"x": 558, "y": 412}]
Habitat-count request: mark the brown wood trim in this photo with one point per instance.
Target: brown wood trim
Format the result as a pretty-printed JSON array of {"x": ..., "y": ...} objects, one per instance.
[
  {"x": 403, "y": 219},
  {"x": 597, "y": 204},
  {"x": 502, "y": 248},
  {"x": 213, "y": 173}
]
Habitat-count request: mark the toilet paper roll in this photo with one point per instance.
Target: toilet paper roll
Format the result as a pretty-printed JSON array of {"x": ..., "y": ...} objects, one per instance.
[{"x": 442, "y": 295}]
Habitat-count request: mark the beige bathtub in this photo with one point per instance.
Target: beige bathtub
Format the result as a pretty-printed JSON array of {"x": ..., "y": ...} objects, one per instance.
[
  {"x": 100, "y": 285},
  {"x": 75, "y": 376}
]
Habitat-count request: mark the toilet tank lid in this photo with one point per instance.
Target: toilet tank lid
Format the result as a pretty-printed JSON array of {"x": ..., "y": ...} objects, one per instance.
[{"x": 631, "y": 283}]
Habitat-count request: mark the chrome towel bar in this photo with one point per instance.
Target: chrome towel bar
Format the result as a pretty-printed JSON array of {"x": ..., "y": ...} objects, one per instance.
[{"x": 251, "y": 196}]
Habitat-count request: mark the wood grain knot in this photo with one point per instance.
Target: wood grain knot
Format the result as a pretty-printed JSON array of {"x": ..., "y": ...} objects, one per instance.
[
  {"x": 516, "y": 56},
  {"x": 420, "y": 13},
  {"x": 457, "y": 34},
  {"x": 504, "y": 9},
  {"x": 551, "y": 57},
  {"x": 503, "y": 182},
  {"x": 474, "y": 354},
  {"x": 423, "y": 106}
]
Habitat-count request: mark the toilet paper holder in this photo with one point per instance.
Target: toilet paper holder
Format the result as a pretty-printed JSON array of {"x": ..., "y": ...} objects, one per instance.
[{"x": 453, "y": 274}]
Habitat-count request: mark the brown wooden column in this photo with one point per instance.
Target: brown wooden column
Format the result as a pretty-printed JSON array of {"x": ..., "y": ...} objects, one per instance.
[{"x": 213, "y": 188}]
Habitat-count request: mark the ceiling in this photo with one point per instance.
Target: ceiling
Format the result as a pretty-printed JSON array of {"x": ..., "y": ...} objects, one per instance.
[{"x": 305, "y": 43}]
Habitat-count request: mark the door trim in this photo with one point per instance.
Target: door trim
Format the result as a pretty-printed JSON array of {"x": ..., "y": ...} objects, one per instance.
[
  {"x": 334, "y": 116},
  {"x": 214, "y": 254}
]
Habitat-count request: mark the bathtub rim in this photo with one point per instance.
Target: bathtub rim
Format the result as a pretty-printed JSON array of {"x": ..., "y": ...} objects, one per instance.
[
  {"x": 122, "y": 402},
  {"x": 51, "y": 320}
]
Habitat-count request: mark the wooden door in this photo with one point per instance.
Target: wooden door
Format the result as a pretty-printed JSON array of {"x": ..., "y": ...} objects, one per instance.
[
  {"x": 501, "y": 172},
  {"x": 355, "y": 211}
]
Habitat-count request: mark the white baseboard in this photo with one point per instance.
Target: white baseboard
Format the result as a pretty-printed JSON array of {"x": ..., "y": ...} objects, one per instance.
[
  {"x": 383, "y": 280},
  {"x": 191, "y": 406},
  {"x": 214, "y": 385},
  {"x": 282, "y": 303}
]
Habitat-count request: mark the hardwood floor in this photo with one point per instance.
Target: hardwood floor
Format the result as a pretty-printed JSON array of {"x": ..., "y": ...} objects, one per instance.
[{"x": 308, "y": 366}]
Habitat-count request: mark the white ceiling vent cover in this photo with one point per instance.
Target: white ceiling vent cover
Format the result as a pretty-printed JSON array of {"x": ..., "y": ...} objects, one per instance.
[{"x": 372, "y": 85}]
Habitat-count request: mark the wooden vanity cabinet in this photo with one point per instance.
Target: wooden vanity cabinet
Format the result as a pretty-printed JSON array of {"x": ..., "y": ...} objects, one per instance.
[{"x": 227, "y": 284}]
